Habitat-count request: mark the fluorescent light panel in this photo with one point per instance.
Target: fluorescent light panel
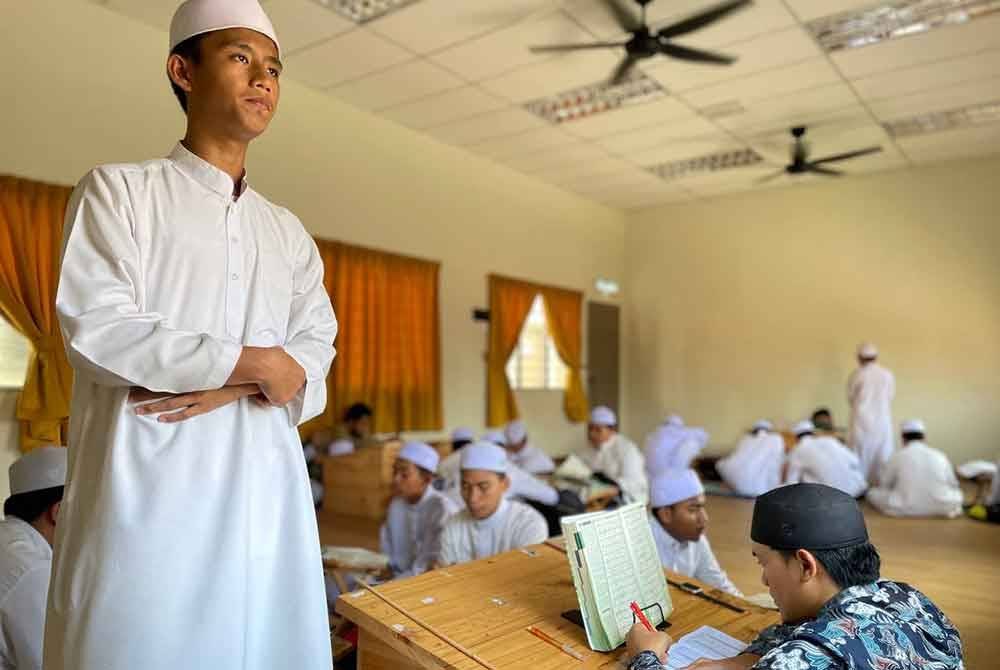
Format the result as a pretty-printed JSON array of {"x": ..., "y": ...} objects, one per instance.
[
  {"x": 889, "y": 20},
  {"x": 363, "y": 11},
  {"x": 701, "y": 164},
  {"x": 963, "y": 117},
  {"x": 587, "y": 101}
]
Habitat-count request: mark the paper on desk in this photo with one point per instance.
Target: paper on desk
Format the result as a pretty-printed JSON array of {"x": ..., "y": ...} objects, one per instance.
[{"x": 706, "y": 642}]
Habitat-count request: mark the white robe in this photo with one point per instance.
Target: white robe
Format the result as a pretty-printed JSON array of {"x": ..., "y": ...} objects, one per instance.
[
  {"x": 694, "y": 559},
  {"x": 620, "y": 460},
  {"x": 870, "y": 391},
  {"x": 512, "y": 526},
  {"x": 917, "y": 481},
  {"x": 411, "y": 534},
  {"x": 522, "y": 484},
  {"x": 754, "y": 467},
  {"x": 25, "y": 564},
  {"x": 673, "y": 447},
  {"x": 188, "y": 545},
  {"x": 825, "y": 460},
  {"x": 532, "y": 460}
]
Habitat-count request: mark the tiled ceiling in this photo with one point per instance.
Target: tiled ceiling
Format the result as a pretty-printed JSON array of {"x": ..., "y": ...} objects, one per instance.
[{"x": 460, "y": 70}]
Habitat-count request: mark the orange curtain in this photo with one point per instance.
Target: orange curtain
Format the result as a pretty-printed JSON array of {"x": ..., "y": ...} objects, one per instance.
[
  {"x": 510, "y": 302},
  {"x": 388, "y": 345},
  {"x": 31, "y": 221},
  {"x": 563, "y": 310}
]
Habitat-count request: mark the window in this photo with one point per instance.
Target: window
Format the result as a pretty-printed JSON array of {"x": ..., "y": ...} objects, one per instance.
[
  {"x": 14, "y": 353},
  {"x": 535, "y": 364}
]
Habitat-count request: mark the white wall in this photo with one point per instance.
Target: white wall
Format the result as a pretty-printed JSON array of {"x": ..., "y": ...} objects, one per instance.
[{"x": 85, "y": 86}]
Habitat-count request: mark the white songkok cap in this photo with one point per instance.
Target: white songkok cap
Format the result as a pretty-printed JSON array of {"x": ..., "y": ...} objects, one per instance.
[
  {"x": 484, "y": 456},
  {"x": 603, "y": 416},
  {"x": 196, "y": 17},
  {"x": 494, "y": 436},
  {"x": 763, "y": 424},
  {"x": 867, "y": 350},
  {"x": 674, "y": 420},
  {"x": 340, "y": 447},
  {"x": 515, "y": 432},
  {"x": 804, "y": 427},
  {"x": 462, "y": 435},
  {"x": 672, "y": 486},
  {"x": 913, "y": 426},
  {"x": 41, "y": 468},
  {"x": 420, "y": 454}
]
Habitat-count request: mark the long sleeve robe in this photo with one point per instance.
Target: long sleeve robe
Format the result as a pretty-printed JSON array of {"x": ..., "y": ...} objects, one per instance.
[
  {"x": 870, "y": 391},
  {"x": 917, "y": 481}
]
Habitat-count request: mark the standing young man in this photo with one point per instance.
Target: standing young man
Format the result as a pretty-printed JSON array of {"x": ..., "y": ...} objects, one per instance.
[{"x": 194, "y": 314}]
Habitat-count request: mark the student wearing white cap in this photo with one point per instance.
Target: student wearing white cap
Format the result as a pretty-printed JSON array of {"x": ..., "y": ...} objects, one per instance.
[
  {"x": 194, "y": 542},
  {"x": 918, "y": 480},
  {"x": 754, "y": 467},
  {"x": 411, "y": 534},
  {"x": 870, "y": 391},
  {"x": 449, "y": 470},
  {"x": 822, "y": 459},
  {"x": 678, "y": 521},
  {"x": 26, "y": 534},
  {"x": 614, "y": 455},
  {"x": 522, "y": 453},
  {"x": 673, "y": 445},
  {"x": 491, "y": 523}
]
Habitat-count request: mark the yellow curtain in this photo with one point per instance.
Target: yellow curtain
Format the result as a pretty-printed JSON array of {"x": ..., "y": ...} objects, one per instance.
[
  {"x": 563, "y": 310},
  {"x": 31, "y": 220},
  {"x": 388, "y": 346},
  {"x": 510, "y": 302}
]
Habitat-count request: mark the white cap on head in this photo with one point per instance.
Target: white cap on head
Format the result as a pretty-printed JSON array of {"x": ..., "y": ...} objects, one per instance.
[
  {"x": 603, "y": 416},
  {"x": 763, "y": 424},
  {"x": 41, "y": 468},
  {"x": 674, "y": 420},
  {"x": 913, "y": 426},
  {"x": 340, "y": 447},
  {"x": 669, "y": 487},
  {"x": 494, "y": 436},
  {"x": 515, "y": 432},
  {"x": 420, "y": 454},
  {"x": 804, "y": 427},
  {"x": 867, "y": 350},
  {"x": 484, "y": 456},
  {"x": 462, "y": 435},
  {"x": 196, "y": 17}
]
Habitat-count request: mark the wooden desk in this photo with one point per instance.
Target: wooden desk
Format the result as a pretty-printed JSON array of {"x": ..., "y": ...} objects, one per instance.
[{"x": 487, "y": 605}]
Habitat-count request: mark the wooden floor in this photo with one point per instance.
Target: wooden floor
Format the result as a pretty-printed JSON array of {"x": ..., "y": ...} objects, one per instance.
[{"x": 956, "y": 563}]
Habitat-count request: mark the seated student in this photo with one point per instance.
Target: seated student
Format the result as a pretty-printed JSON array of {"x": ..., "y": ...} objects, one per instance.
[
  {"x": 823, "y": 460},
  {"x": 678, "y": 521},
  {"x": 673, "y": 445},
  {"x": 490, "y": 524},
  {"x": 812, "y": 546},
  {"x": 754, "y": 467},
  {"x": 523, "y": 485},
  {"x": 614, "y": 455},
  {"x": 411, "y": 534},
  {"x": 358, "y": 426},
  {"x": 449, "y": 470},
  {"x": 822, "y": 418},
  {"x": 918, "y": 480},
  {"x": 26, "y": 533},
  {"x": 523, "y": 454}
]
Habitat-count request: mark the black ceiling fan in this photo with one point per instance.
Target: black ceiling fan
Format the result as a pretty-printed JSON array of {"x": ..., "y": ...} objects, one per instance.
[
  {"x": 646, "y": 43},
  {"x": 800, "y": 159}
]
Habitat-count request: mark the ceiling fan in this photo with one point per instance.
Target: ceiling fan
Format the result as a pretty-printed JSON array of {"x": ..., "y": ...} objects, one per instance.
[
  {"x": 646, "y": 43},
  {"x": 800, "y": 159}
]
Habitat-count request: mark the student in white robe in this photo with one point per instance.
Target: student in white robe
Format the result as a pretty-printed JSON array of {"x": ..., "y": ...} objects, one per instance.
[
  {"x": 188, "y": 537},
  {"x": 918, "y": 480},
  {"x": 523, "y": 454},
  {"x": 673, "y": 445},
  {"x": 491, "y": 523},
  {"x": 37, "y": 480},
  {"x": 678, "y": 520},
  {"x": 614, "y": 455},
  {"x": 754, "y": 467},
  {"x": 449, "y": 470},
  {"x": 823, "y": 459},
  {"x": 411, "y": 534},
  {"x": 870, "y": 391}
]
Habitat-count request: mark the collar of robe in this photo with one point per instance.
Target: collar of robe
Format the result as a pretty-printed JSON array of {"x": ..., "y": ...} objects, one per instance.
[{"x": 206, "y": 174}]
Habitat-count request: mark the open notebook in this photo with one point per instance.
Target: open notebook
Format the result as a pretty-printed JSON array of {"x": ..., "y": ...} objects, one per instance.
[{"x": 614, "y": 562}]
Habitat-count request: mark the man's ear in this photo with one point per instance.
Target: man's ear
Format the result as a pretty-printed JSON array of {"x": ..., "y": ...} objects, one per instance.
[
  {"x": 53, "y": 512},
  {"x": 808, "y": 563},
  {"x": 665, "y": 514},
  {"x": 504, "y": 481},
  {"x": 179, "y": 71}
]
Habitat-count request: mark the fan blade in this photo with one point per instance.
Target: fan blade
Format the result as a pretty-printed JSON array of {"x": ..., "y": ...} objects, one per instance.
[
  {"x": 702, "y": 19},
  {"x": 819, "y": 169},
  {"x": 770, "y": 177},
  {"x": 621, "y": 72},
  {"x": 695, "y": 55},
  {"x": 624, "y": 17},
  {"x": 846, "y": 156},
  {"x": 575, "y": 47}
]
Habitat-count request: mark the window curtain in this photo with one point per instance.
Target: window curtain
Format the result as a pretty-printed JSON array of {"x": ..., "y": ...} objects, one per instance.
[
  {"x": 31, "y": 222},
  {"x": 564, "y": 309},
  {"x": 388, "y": 345}
]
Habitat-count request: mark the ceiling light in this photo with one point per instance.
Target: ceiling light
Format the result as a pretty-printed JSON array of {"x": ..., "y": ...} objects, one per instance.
[
  {"x": 596, "y": 99},
  {"x": 963, "y": 117},
  {"x": 722, "y": 109},
  {"x": 711, "y": 163},
  {"x": 363, "y": 11},
  {"x": 898, "y": 18}
]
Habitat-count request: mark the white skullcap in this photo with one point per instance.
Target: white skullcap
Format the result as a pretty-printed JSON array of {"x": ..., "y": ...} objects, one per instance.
[
  {"x": 462, "y": 435},
  {"x": 484, "y": 456},
  {"x": 913, "y": 426},
  {"x": 804, "y": 427},
  {"x": 763, "y": 424},
  {"x": 515, "y": 431},
  {"x": 867, "y": 350},
  {"x": 669, "y": 487},
  {"x": 603, "y": 416},
  {"x": 196, "y": 17},
  {"x": 674, "y": 420},
  {"x": 41, "y": 468},
  {"x": 494, "y": 436},
  {"x": 420, "y": 454},
  {"x": 340, "y": 447}
]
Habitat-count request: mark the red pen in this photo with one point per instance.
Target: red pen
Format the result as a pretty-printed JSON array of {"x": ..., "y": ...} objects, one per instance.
[{"x": 640, "y": 616}]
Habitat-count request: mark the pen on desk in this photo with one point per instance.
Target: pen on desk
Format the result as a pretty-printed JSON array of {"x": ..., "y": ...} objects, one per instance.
[
  {"x": 545, "y": 637},
  {"x": 640, "y": 616}
]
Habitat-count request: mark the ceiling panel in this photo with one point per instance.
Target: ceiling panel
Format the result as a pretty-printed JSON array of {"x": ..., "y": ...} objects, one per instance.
[
  {"x": 814, "y": 9},
  {"x": 629, "y": 117},
  {"x": 950, "y": 97},
  {"x": 154, "y": 13},
  {"x": 802, "y": 108},
  {"x": 409, "y": 81},
  {"x": 300, "y": 23},
  {"x": 556, "y": 75},
  {"x": 930, "y": 76},
  {"x": 683, "y": 149},
  {"x": 768, "y": 84},
  {"x": 952, "y": 144},
  {"x": 586, "y": 169},
  {"x": 554, "y": 161},
  {"x": 438, "y": 109},
  {"x": 649, "y": 136},
  {"x": 483, "y": 127},
  {"x": 337, "y": 60},
  {"x": 529, "y": 141}
]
